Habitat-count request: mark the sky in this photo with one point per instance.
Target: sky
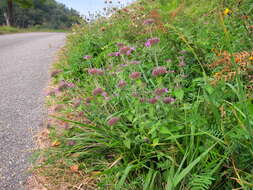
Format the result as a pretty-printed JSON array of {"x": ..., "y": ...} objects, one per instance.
[{"x": 85, "y": 6}]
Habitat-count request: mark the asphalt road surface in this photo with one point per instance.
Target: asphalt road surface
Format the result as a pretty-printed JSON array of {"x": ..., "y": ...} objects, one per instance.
[{"x": 24, "y": 64}]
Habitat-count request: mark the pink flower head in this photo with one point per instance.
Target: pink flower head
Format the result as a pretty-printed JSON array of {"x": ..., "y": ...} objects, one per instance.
[
  {"x": 120, "y": 44},
  {"x": 104, "y": 94},
  {"x": 183, "y": 52},
  {"x": 94, "y": 71},
  {"x": 135, "y": 75},
  {"x": 71, "y": 143},
  {"x": 168, "y": 60},
  {"x": 135, "y": 94},
  {"x": 64, "y": 85},
  {"x": 114, "y": 54},
  {"x": 142, "y": 100},
  {"x": 70, "y": 85},
  {"x": 152, "y": 100},
  {"x": 55, "y": 72},
  {"x": 87, "y": 57},
  {"x": 50, "y": 93},
  {"x": 168, "y": 100},
  {"x": 182, "y": 64},
  {"x": 88, "y": 100},
  {"x": 77, "y": 102},
  {"x": 113, "y": 121},
  {"x": 97, "y": 91},
  {"x": 122, "y": 84},
  {"x": 126, "y": 50},
  {"x": 152, "y": 41},
  {"x": 157, "y": 71},
  {"x": 124, "y": 65},
  {"x": 149, "y": 21},
  {"x": 160, "y": 91},
  {"x": 135, "y": 62}
]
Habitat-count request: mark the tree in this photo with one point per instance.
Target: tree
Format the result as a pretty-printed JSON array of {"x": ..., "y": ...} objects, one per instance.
[
  {"x": 38, "y": 13},
  {"x": 9, "y": 13}
]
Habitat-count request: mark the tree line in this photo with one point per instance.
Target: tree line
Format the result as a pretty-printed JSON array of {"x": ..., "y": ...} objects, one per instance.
[{"x": 37, "y": 13}]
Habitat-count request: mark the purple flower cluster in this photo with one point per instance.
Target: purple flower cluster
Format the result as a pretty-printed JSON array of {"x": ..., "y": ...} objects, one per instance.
[
  {"x": 157, "y": 71},
  {"x": 160, "y": 91},
  {"x": 77, "y": 102},
  {"x": 135, "y": 75},
  {"x": 122, "y": 84},
  {"x": 120, "y": 44},
  {"x": 135, "y": 62},
  {"x": 152, "y": 100},
  {"x": 97, "y": 91},
  {"x": 64, "y": 85},
  {"x": 149, "y": 21},
  {"x": 87, "y": 57},
  {"x": 114, "y": 54},
  {"x": 126, "y": 50},
  {"x": 150, "y": 42},
  {"x": 113, "y": 121},
  {"x": 94, "y": 71},
  {"x": 168, "y": 100},
  {"x": 55, "y": 72}
]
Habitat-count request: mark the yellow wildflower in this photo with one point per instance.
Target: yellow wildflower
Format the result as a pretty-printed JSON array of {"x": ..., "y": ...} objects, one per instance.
[
  {"x": 227, "y": 11},
  {"x": 251, "y": 58}
]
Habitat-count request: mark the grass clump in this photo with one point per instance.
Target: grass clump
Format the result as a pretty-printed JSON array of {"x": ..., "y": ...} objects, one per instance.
[
  {"x": 10, "y": 30},
  {"x": 147, "y": 99}
]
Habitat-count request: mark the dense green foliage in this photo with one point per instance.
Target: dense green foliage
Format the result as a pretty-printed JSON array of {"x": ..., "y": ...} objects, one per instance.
[
  {"x": 45, "y": 14},
  {"x": 174, "y": 112}
]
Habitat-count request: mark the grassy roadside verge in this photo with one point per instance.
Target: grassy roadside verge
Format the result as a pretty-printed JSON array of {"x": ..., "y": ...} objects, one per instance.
[
  {"x": 11, "y": 30},
  {"x": 159, "y": 96}
]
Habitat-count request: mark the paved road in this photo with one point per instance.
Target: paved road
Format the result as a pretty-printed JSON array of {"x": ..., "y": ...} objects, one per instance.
[{"x": 24, "y": 63}]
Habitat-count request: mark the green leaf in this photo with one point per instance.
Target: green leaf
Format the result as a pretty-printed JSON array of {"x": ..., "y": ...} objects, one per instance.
[
  {"x": 178, "y": 178},
  {"x": 123, "y": 178},
  {"x": 127, "y": 143},
  {"x": 156, "y": 141},
  {"x": 179, "y": 93}
]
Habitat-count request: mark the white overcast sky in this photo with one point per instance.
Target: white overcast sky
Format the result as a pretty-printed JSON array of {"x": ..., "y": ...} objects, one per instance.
[{"x": 85, "y": 6}]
